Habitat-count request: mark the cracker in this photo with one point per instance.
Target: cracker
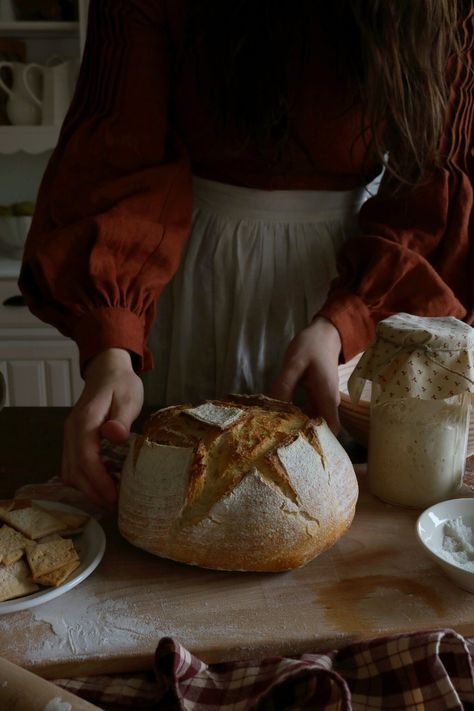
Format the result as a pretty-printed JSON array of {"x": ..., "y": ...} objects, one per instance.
[
  {"x": 12, "y": 545},
  {"x": 13, "y": 556},
  {"x": 72, "y": 522},
  {"x": 51, "y": 537},
  {"x": 15, "y": 581},
  {"x": 44, "y": 558},
  {"x": 33, "y": 521},
  {"x": 58, "y": 576},
  {"x": 35, "y": 531}
]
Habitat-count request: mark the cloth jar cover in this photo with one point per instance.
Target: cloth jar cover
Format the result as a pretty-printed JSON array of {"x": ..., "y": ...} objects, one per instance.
[{"x": 418, "y": 357}]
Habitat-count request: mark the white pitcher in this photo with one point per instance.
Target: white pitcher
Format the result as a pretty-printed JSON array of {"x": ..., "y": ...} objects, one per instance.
[
  {"x": 24, "y": 95},
  {"x": 58, "y": 82}
]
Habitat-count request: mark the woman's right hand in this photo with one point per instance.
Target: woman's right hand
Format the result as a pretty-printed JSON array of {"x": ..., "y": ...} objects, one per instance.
[
  {"x": 312, "y": 361},
  {"x": 111, "y": 400}
]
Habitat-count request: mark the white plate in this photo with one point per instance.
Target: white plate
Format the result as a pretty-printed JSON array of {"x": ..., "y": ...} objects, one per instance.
[{"x": 91, "y": 547}]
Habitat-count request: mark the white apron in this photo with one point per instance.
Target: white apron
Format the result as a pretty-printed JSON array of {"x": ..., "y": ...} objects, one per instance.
[{"x": 256, "y": 268}]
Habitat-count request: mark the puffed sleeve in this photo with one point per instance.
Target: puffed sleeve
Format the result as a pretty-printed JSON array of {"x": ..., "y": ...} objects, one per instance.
[
  {"x": 415, "y": 252},
  {"x": 114, "y": 206}
]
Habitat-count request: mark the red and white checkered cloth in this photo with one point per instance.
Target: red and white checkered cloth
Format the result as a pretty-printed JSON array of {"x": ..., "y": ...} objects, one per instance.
[{"x": 429, "y": 671}]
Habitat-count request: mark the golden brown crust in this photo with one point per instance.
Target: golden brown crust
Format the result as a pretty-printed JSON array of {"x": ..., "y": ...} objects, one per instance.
[
  {"x": 197, "y": 473},
  {"x": 258, "y": 491}
]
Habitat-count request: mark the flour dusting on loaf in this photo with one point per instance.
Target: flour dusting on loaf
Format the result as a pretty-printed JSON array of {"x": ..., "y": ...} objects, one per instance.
[
  {"x": 248, "y": 483},
  {"x": 219, "y": 415}
]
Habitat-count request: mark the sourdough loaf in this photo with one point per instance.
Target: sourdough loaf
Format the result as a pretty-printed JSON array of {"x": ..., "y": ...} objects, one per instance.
[{"x": 248, "y": 483}]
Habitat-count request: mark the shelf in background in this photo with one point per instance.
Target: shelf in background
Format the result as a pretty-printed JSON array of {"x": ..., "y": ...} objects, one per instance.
[
  {"x": 9, "y": 268},
  {"x": 29, "y": 139},
  {"x": 42, "y": 29}
]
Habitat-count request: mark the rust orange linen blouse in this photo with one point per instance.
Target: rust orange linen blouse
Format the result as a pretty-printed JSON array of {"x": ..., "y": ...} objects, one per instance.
[{"x": 114, "y": 207}]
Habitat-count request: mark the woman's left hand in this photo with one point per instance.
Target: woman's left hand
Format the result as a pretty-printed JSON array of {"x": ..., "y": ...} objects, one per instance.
[{"x": 312, "y": 361}]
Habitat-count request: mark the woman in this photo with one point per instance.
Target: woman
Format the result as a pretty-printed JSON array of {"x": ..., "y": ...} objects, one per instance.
[{"x": 213, "y": 159}]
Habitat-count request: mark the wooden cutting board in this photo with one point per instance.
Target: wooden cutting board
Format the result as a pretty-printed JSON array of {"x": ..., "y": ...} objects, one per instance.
[{"x": 376, "y": 580}]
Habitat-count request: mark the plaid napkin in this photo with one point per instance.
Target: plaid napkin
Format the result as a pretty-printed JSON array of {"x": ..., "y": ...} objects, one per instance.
[{"x": 430, "y": 671}]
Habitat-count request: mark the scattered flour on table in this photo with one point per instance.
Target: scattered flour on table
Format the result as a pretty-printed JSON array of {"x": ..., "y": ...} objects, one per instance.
[
  {"x": 3, "y": 684},
  {"x": 458, "y": 543},
  {"x": 81, "y": 624},
  {"x": 57, "y": 704},
  {"x": 84, "y": 624}
]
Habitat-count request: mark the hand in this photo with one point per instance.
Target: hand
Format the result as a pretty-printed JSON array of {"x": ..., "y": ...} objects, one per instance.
[
  {"x": 111, "y": 400},
  {"x": 312, "y": 361}
]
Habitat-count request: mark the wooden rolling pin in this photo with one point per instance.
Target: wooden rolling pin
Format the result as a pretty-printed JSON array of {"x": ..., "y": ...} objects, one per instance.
[{"x": 20, "y": 690}]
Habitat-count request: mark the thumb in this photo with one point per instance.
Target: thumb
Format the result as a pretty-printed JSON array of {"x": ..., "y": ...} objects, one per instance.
[
  {"x": 115, "y": 431},
  {"x": 327, "y": 409},
  {"x": 323, "y": 398},
  {"x": 116, "y": 428}
]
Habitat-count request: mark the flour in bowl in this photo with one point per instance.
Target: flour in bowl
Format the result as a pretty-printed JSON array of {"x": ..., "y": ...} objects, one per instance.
[
  {"x": 458, "y": 543},
  {"x": 57, "y": 705}
]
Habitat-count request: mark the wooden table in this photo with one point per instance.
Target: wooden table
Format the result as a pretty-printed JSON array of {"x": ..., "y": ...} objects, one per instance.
[{"x": 376, "y": 580}]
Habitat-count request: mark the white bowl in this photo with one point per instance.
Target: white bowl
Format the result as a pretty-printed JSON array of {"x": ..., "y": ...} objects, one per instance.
[
  {"x": 13, "y": 232},
  {"x": 430, "y": 532}
]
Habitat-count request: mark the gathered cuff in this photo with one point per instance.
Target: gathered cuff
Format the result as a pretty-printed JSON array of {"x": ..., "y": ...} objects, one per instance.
[
  {"x": 111, "y": 327},
  {"x": 352, "y": 318}
]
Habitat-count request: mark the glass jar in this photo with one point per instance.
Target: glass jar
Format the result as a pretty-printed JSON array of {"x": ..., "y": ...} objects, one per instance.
[
  {"x": 422, "y": 375},
  {"x": 417, "y": 448}
]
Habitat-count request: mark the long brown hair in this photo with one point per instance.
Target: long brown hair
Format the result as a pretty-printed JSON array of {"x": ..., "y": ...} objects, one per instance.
[
  {"x": 394, "y": 53},
  {"x": 406, "y": 47}
]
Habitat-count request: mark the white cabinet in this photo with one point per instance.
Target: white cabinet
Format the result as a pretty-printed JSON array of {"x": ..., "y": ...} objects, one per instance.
[
  {"x": 44, "y": 41},
  {"x": 39, "y": 369},
  {"x": 40, "y": 366}
]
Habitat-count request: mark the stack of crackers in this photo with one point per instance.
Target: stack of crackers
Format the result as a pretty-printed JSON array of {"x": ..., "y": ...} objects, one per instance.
[{"x": 35, "y": 548}]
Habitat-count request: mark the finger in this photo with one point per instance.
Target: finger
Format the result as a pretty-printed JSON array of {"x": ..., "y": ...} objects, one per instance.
[
  {"x": 122, "y": 413},
  {"x": 323, "y": 399},
  {"x": 80, "y": 484},
  {"x": 91, "y": 472},
  {"x": 85, "y": 467},
  {"x": 329, "y": 413},
  {"x": 284, "y": 386},
  {"x": 114, "y": 431}
]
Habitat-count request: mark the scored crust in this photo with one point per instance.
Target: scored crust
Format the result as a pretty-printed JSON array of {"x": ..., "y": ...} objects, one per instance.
[{"x": 266, "y": 489}]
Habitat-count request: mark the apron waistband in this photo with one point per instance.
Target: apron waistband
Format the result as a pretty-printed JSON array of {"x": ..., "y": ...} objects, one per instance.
[{"x": 276, "y": 205}]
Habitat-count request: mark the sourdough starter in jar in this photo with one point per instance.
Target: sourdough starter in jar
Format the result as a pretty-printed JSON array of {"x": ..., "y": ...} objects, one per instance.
[
  {"x": 422, "y": 375},
  {"x": 417, "y": 449}
]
